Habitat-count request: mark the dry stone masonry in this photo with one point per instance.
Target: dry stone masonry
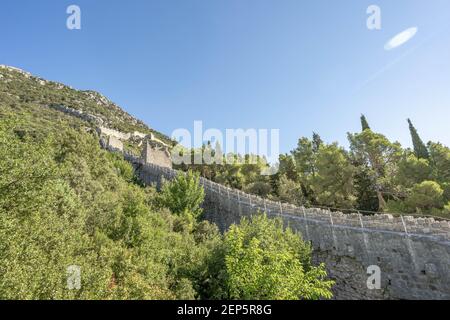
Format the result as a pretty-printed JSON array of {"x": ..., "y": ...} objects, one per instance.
[
  {"x": 412, "y": 253},
  {"x": 156, "y": 154},
  {"x": 154, "y": 150}
]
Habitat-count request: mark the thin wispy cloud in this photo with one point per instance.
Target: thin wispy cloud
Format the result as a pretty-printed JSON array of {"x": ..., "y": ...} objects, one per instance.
[{"x": 401, "y": 38}]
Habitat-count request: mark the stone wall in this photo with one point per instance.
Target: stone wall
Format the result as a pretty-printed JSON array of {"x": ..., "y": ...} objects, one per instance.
[
  {"x": 115, "y": 143},
  {"x": 78, "y": 113},
  {"x": 154, "y": 153},
  {"x": 114, "y": 133},
  {"x": 98, "y": 121},
  {"x": 412, "y": 253}
]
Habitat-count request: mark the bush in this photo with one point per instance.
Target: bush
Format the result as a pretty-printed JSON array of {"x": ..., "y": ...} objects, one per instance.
[
  {"x": 264, "y": 261},
  {"x": 425, "y": 196},
  {"x": 447, "y": 209},
  {"x": 290, "y": 191},
  {"x": 184, "y": 195},
  {"x": 397, "y": 206}
]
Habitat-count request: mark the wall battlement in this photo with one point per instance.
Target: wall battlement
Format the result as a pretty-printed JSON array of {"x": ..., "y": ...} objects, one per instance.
[{"x": 413, "y": 254}]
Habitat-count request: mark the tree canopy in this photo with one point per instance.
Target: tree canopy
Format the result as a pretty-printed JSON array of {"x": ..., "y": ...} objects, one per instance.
[{"x": 374, "y": 175}]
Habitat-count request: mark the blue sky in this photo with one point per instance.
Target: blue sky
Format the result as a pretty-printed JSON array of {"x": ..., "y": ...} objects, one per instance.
[{"x": 299, "y": 66}]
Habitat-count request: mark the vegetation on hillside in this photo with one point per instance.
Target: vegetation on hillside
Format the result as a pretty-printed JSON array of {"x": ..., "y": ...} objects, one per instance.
[
  {"x": 19, "y": 91},
  {"x": 66, "y": 202}
]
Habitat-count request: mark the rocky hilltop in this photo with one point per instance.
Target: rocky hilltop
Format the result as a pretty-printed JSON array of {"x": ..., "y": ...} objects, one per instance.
[{"x": 22, "y": 92}]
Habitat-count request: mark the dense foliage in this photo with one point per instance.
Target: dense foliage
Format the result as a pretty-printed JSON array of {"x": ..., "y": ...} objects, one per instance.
[
  {"x": 65, "y": 202},
  {"x": 184, "y": 195},
  {"x": 264, "y": 261},
  {"x": 374, "y": 175}
]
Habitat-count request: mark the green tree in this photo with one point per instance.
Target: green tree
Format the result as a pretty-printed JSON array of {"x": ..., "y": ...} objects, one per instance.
[
  {"x": 366, "y": 193},
  {"x": 420, "y": 150},
  {"x": 304, "y": 157},
  {"x": 381, "y": 157},
  {"x": 333, "y": 182},
  {"x": 260, "y": 188},
  {"x": 42, "y": 223},
  {"x": 446, "y": 187},
  {"x": 364, "y": 123},
  {"x": 287, "y": 167},
  {"x": 425, "y": 196},
  {"x": 290, "y": 191},
  {"x": 447, "y": 209},
  {"x": 184, "y": 195},
  {"x": 316, "y": 142},
  {"x": 264, "y": 261},
  {"x": 305, "y": 163},
  {"x": 440, "y": 162},
  {"x": 412, "y": 170}
]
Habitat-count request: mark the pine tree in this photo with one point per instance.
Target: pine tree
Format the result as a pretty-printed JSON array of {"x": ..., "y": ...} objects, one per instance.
[
  {"x": 420, "y": 150},
  {"x": 364, "y": 123},
  {"x": 317, "y": 142},
  {"x": 381, "y": 156}
]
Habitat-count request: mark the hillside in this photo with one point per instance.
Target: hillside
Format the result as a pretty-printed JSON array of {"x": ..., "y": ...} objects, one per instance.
[
  {"x": 77, "y": 223},
  {"x": 31, "y": 96}
]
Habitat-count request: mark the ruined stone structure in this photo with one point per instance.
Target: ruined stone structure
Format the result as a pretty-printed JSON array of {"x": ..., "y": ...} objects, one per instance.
[
  {"x": 157, "y": 154},
  {"x": 78, "y": 113},
  {"x": 115, "y": 143},
  {"x": 154, "y": 151},
  {"x": 413, "y": 254},
  {"x": 111, "y": 138}
]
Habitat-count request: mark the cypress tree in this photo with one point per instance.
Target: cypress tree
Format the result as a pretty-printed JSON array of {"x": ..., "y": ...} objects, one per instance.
[
  {"x": 317, "y": 142},
  {"x": 364, "y": 123},
  {"x": 420, "y": 150}
]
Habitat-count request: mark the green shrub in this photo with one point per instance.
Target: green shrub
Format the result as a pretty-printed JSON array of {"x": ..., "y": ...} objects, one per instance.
[
  {"x": 264, "y": 261},
  {"x": 184, "y": 195},
  {"x": 425, "y": 196},
  {"x": 447, "y": 209}
]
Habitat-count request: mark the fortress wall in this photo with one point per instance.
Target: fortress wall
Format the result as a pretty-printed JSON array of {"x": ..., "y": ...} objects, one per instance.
[
  {"x": 412, "y": 253},
  {"x": 77, "y": 113},
  {"x": 114, "y": 133},
  {"x": 160, "y": 157},
  {"x": 115, "y": 143}
]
